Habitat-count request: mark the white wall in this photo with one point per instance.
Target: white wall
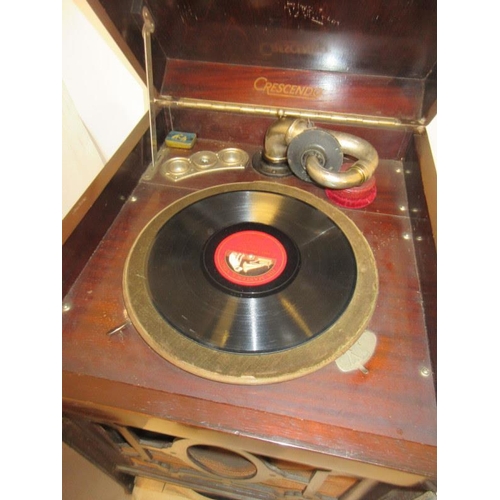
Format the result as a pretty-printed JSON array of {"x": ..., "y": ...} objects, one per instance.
[{"x": 103, "y": 99}]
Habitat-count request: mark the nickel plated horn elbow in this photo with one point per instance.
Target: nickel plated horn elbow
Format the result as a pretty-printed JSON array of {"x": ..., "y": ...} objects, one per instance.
[
  {"x": 279, "y": 135},
  {"x": 316, "y": 154},
  {"x": 356, "y": 175}
]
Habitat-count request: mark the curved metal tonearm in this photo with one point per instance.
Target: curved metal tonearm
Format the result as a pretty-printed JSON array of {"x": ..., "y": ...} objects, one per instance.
[
  {"x": 281, "y": 133},
  {"x": 355, "y": 175}
]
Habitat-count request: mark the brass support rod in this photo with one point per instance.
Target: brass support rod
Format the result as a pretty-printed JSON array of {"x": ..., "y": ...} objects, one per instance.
[
  {"x": 147, "y": 29},
  {"x": 279, "y": 112}
]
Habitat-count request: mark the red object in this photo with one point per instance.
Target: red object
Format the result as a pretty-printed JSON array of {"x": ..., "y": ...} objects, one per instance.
[
  {"x": 357, "y": 197},
  {"x": 250, "y": 258}
]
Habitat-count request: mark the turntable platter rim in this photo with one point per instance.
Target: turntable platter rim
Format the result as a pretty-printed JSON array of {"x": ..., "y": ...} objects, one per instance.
[{"x": 249, "y": 369}]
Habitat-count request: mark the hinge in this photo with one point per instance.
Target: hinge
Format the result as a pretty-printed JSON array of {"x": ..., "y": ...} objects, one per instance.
[{"x": 281, "y": 112}]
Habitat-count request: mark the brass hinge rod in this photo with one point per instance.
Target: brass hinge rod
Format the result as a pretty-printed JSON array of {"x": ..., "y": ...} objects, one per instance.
[{"x": 279, "y": 112}]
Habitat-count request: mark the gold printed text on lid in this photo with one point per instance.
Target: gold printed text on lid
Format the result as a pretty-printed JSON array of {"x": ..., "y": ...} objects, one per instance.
[{"x": 262, "y": 84}]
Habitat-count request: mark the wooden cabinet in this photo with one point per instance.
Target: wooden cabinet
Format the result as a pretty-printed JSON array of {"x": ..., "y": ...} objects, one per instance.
[
  {"x": 218, "y": 465},
  {"x": 329, "y": 434}
]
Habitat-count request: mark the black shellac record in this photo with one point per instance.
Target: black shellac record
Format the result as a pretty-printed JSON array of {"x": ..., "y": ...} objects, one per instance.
[{"x": 251, "y": 272}]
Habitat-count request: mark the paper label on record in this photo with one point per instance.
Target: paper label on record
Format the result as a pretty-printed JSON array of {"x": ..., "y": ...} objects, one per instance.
[{"x": 250, "y": 258}]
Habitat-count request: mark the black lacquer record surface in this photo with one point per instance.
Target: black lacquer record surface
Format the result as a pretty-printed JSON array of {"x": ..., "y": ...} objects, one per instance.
[{"x": 250, "y": 283}]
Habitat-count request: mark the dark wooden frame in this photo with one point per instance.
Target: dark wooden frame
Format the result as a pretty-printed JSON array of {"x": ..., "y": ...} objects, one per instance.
[{"x": 94, "y": 394}]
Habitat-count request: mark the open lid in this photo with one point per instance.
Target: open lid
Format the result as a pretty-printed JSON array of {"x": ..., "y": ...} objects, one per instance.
[{"x": 375, "y": 57}]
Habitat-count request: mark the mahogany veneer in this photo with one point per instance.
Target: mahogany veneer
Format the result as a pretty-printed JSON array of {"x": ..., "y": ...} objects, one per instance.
[
  {"x": 385, "y": 418},
  {"x": 343, "y": 431}
]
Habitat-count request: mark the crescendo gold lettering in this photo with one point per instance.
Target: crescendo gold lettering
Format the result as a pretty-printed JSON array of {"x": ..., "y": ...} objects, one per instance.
[{"x": 262, "y": 84}]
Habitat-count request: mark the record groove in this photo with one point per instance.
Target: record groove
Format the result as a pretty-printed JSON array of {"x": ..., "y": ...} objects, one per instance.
[{"x": 195, "y": 298}]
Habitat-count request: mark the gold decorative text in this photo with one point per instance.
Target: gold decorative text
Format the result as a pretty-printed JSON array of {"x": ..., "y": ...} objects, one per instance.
[{"x": 262, "y": 84}]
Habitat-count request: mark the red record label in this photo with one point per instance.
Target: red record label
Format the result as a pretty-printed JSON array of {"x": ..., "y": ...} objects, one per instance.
[{"x": 250, "y": 258}]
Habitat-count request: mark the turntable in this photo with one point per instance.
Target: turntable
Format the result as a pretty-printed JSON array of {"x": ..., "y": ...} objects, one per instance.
[{"x": 256, "y": 318}]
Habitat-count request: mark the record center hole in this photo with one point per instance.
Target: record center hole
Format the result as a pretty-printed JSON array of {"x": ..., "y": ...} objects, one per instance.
[{"x": 221, "y": 462}]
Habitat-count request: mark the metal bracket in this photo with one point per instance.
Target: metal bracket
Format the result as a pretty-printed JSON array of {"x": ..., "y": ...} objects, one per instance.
[{"x": 147, "y": 29}]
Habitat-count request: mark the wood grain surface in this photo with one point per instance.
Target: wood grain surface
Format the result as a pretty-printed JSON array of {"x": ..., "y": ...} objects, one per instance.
[
  {"x": 391, "y": 37},
  {"x": 377, "y": 60},
  {"x": 322, "y": 91},
  {"x": 385, "y": 417}
]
